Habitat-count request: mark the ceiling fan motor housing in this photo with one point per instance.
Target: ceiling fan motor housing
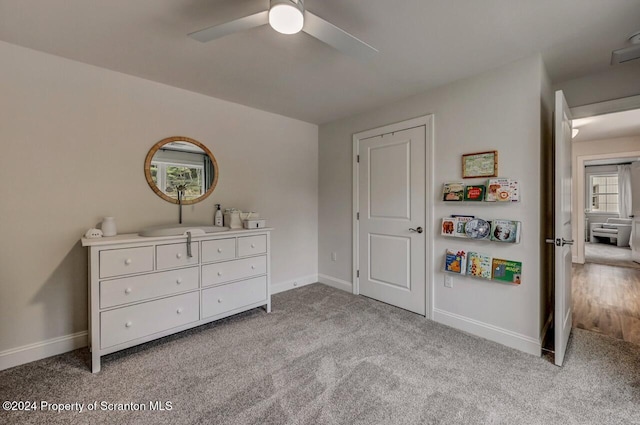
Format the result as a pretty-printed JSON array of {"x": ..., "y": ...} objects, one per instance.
[
  {"x": 298, "y": 4},
  {"x": 286, "y": 16}
]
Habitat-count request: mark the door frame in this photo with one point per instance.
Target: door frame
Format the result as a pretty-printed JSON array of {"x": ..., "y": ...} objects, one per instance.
[
  {"x": 585, "y": 111},
  {"x": 427, "y": 122}
]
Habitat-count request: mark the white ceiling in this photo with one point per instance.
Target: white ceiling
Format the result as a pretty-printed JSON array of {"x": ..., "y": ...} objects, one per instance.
[
  {"x": 609, "y": 126},
  {"x": 422, "y": 43}
]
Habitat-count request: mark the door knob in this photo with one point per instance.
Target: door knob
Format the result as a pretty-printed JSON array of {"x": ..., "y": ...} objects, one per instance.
[
  {"x": 559, "y": 241},
  {"x": 419, "y": 230}
]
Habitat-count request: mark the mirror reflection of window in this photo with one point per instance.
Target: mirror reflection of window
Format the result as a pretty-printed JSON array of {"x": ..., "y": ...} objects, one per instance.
[{"x": 181, "y": 164}]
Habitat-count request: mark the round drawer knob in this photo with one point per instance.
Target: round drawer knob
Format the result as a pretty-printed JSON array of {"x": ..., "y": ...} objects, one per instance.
[
  {"x": 253, "y": 245},
  {"x": 179, "y": 311},
  {"x": 219, "y": 273},
  {"x": 253, "y": 267},
  {"x": 219, "y": 249},
  {"x": 128, "y": 324},
  {"x": 178, "y": 255},
  {"x": 219, "y": 300},
  {"x": 127, "y": 261},
  {"x": 179, "y": 281},
  {"x": 127, "y": 291}
]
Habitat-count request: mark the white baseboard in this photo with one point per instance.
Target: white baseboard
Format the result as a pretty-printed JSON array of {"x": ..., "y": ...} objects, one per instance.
[
  {"x": 294, "y": 283},
  {"x": 493, "y": 333},
  {"x": 41, "y": 350},
  {"x": 335, "y": 282}
]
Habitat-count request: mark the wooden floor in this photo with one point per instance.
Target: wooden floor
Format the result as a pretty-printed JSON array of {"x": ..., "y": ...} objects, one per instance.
[{"x": 607, "y": 300}]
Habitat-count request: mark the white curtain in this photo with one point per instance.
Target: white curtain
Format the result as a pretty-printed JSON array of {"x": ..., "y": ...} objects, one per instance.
[{"x": 624, "y": 190}]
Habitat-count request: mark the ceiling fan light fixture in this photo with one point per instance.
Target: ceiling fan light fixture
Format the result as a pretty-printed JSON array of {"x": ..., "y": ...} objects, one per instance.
[{"x": 286, "y": 16}]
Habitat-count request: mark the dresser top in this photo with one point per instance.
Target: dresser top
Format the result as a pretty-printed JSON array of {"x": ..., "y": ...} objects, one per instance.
[{"x": 136, "y": 238}]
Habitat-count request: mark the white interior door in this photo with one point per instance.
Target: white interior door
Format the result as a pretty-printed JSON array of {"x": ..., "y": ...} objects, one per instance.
[
  {"x": 391, "y": 187},
  {"x": 562, "y": 227}
]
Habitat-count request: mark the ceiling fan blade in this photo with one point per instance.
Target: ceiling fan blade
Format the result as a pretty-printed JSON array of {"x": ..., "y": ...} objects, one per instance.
[
  {"x": 217, "y": 31},
  {"x": 336, "y": 38}
]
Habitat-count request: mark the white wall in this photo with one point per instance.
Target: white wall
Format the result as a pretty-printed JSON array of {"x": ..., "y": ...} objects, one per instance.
[
  {"x": 583, "y": 151},
  {"x": 614, "y": 83},
  {"x": 499, "y": 110},
  {"x": 74, "y": 138}
]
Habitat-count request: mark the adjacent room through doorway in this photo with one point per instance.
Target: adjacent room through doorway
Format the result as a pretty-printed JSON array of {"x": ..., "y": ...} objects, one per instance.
[{"x": 606, "y": 278}]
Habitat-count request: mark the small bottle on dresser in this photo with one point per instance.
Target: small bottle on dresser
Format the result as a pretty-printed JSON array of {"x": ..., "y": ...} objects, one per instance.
[{"x": 217, "y": 217}]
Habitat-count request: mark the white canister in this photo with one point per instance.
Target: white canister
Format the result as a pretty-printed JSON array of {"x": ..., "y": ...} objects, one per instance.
[
  {"x": 109, "y": 226},
  {"x": 232, "y": 218}
]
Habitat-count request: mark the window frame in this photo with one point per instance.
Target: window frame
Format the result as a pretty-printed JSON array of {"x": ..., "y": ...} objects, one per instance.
[{"x": 593, "y": 195}]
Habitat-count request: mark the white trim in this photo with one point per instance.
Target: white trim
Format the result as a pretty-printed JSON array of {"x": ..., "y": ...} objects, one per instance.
[
  {"x": 429, "y": 217},
  {"x": 428, "y": 122},
  {"x": 41, "y": 350},
  {"x": 493, "y": 333},
  {"x": 355, "y": 246},
  {"x": 276, "y": 288},
  {"x": 607, "y": 107},
  {"x": 579, "y": 190},
  {"x": 335, "y": 282}
]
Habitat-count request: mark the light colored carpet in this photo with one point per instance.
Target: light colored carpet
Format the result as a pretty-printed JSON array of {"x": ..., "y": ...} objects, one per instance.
[
  {"x": 611, "y": 255},
  {"x": 325, "y": 356}
]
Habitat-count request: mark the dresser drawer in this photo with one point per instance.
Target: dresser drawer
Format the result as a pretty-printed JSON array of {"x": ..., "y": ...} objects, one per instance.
[
  {"x": 139, "y": 288},
  {"x": 118, "y": 262},
  {"x": 233, "y": 270},
  {"x": 218, "y": 250},
  {"x": 129, "y": 323},
  {"x": 223, "y": 298},
  {"x": 175, "y": 255},
  {"x": 252, "y": 245}
]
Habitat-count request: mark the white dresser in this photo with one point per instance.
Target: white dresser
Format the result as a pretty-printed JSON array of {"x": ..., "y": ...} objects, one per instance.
[{"x": 143, "y": 288}]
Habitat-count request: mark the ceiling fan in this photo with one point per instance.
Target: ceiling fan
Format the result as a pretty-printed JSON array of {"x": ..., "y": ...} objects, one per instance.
[{"x": 290, "y": 17}]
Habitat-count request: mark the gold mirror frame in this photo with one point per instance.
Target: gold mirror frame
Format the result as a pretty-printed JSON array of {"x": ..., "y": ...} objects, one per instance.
[{"x": 156, "y": 189}]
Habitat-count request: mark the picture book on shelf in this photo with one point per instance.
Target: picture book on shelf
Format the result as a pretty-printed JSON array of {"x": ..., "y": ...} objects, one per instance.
[
  {"x": 479, "y": 265},
  {"x": 507, "y": 271},
  {"x": 455, "y": 261},
  {"x": 449, "y": 225},
  {"x": 505, "y": 231},
  {"x": 474, "y": 192},
  {"x": 461, "y": 221},
  {"x": 454, "y": 226},
  {"x": 453, "y": 192},
  {"x": 502, "y": 190}
]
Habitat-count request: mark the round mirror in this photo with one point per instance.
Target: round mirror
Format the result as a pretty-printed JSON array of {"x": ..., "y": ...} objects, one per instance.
[{"x": 181, "y": 168}]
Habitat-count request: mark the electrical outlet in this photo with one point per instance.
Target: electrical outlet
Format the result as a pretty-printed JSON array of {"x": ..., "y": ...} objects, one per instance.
[
  {"x": 448, "y": 281},
  {"x": 334, "y": 256}
]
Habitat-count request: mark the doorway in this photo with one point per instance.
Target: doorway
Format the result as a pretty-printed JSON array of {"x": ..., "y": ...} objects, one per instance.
[
  {"x": 392, "y": 222},
  {"x": 606, "y": 279}
]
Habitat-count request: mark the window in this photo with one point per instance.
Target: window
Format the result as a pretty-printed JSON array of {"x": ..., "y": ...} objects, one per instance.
[{"x": 604, "y": 193}]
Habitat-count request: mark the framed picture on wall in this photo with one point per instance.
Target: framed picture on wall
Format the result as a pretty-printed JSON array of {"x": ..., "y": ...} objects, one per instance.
[{"x": 480, "y": 164}]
